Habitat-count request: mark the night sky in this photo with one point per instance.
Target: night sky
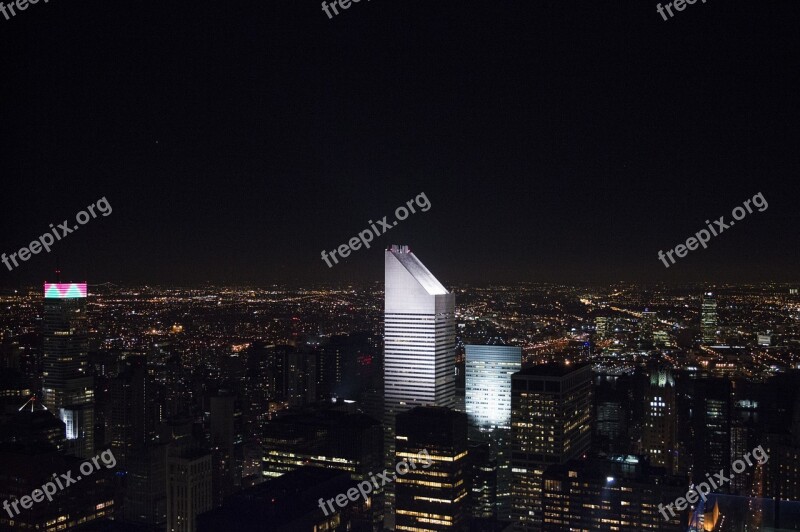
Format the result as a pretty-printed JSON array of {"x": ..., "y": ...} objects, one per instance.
[{"x": 556, "y": 140}]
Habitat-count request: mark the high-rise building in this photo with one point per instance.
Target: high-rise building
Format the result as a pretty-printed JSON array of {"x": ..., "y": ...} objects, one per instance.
[
  {"x": 25, "y": 468},
  {"x": 483, "y": 473},
  {"x": 189, "y": 476},
  {"x": 601, "y": 327},
  {"x": 612, "y": 411},
  {"x": 419, "y": 343},
  {"x": 711, "y": 421},
  {"x": 488, "y": 384},
  {"x": 488, "y": 404},
  {"x": 550, "y": 424},
  {"x": 307, "y": 499},
  {"x": 620, "y": 493},
  {"x": 189, "y": 491},
  {"x": 227, "y": 443},
  {"x": 325, "y": 436},
  {"x": 433, "y": 497},
  {"x": 647, "y": 326},
  {"x": 132, "y": 424},
  {"x": 67, "y": 388},
  {"x": 708, "y": 318},
  {"x": 659, "y": 430}
]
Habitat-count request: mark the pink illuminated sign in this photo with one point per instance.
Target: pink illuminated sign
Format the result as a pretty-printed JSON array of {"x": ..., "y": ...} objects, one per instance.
[{"x": 64, "y": 290}]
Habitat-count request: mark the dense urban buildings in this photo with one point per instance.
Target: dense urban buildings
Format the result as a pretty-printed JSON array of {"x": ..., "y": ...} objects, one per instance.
[{"x": 204, "y": 395}]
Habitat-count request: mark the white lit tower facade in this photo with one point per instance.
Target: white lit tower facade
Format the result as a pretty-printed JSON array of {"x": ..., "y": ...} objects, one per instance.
[{"x": 419, "y": 343}]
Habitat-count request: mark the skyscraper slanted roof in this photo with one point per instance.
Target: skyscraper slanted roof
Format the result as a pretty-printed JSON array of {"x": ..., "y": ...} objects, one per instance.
[{"x": 422, "y": 275}]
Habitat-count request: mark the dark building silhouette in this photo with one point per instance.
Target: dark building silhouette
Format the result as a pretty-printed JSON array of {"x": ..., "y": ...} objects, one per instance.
[
  {"x": 483, "y": 475},
  {"x": 295, "y": 502},
  {"x": 227, "y": 443},
  {"x": 24, "y": 468},
  {"x": 326, "y": 435},
  {"x": 620, "y": 494}
]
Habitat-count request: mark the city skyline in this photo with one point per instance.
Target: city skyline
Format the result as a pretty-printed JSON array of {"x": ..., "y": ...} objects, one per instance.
[{"x": 399, "y": 266}]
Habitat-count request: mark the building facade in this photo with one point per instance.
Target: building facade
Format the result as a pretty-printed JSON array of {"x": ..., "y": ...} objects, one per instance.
[
  {"x": 551, "y": 408},
  {"x": 419, "y": 343},
  {"x": 67, "y": 388}
]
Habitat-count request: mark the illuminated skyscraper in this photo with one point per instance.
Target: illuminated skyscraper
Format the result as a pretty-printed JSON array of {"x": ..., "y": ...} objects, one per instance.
[
  {"x": 67, "y": 389},
  {"x": 659, "y": 433},
  {"x": 488, "y": 389},
  {"x": 601, "y": 327},
  {"x": 419, "y": 344},
  {"x": 708, "y": 318},
  {"x": 646, "y": 326},
  {"x": 550, "y": 424}
]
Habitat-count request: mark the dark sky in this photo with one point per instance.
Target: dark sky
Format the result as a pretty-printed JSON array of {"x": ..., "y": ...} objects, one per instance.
[{"x": 555, "y": 140}]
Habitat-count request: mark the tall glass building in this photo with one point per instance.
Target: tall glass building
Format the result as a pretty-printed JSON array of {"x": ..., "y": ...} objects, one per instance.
[
  {"x": 488, "y": 384},
  {"x": 551, "y": 408},
  {"x": 708, "y": 318},
  {"x": 67, "y": 389},
  {"x": 419, "y": 344}
]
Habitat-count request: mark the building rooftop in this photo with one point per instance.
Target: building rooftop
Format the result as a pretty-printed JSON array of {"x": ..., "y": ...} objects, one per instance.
[
  {"x": 423, "y": 276},
  {"x": 289, "y": 502},
  {"x": 552, "y": 369}
]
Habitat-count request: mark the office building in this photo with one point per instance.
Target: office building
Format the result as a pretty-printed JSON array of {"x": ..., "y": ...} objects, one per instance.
[
  {"x": 488, "y": 384},
  {"x": 659, "y": 430},
  {"x": 708, "y": 319},
  {"x": 483, "y": 474},
  {"x": 765, "y": 339},
  {"x": 189, "y": 491},
  {"x": 550, "y": 424},
  {"x": 132, "y": 409},
  {"x": 145, "y": 501},
  {"x": 32, "y": 425},
  {"x": 67, "y": 388},
  {"x": 324, "y": 436},
  {"x": 419, "y": 342},
  {"x": 612, "y": 410},
  {"x": 601, "y": 327},
  {"x": 711, "y": 421},
  {"x": 25, "y": 468},
  {"x": 433, "y": 497},
  {"x": 227, "y": 443},
  {"x": 620, "y": 494},
  {"x": 304, "y": 500},
  {"x": 647, "y": 325}
]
